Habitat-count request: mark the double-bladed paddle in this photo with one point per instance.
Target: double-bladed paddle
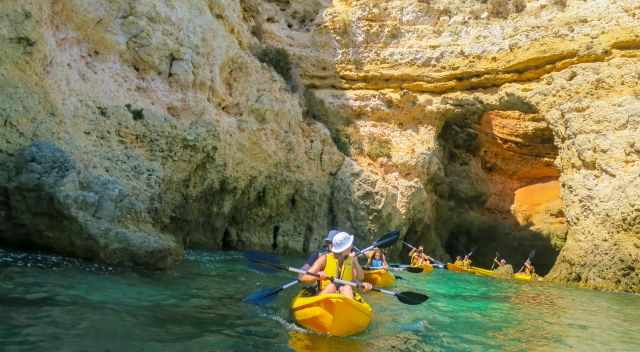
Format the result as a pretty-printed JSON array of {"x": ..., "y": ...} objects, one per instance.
[
  {"x": 472, "y": 250},
  {"x": 409, "y": 268},
  {"x": 266, "y": 295},
  {"x": 260, "y": 260},
  {"x": 494, "y": 260},
  {"x": 385, "y": 241}
]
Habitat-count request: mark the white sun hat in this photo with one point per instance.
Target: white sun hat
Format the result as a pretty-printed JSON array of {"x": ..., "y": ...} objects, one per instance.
[{"x": 341, "y": 242}]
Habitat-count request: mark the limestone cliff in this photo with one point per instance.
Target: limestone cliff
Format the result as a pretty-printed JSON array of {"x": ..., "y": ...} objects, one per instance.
[
  {"x": 504, "y": 102},
  {"x": 503, "y": 124},
  {"x": 202, "y": 144}
]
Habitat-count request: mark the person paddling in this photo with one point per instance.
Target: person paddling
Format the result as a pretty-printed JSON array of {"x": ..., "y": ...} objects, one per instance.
[
  {"x": 528, "y": 268},
  {"x": 458, "y": 261},
  {"x": 326, "y": 248},
  {"x": 418, "y": 258},
  {"x": 377, "y": 260},
  {"x": 340, "y": 263},
  {"x": 502, "y": 262},
  {"x": 503, "y": 269},
  {"x": 466, "y": 262}
]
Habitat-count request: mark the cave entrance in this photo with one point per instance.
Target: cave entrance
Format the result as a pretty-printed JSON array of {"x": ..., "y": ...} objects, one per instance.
[{"x": 501, "y": 191}]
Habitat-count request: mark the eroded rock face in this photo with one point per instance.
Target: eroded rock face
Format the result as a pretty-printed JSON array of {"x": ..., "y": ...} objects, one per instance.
[
  {"x": 399, "y": 114},
  {"x": 56, "y": 205},
  {"x": 166, "y": 102},
  {"x": 600, "y": 185},
  {"x": 533, "y": 64}
]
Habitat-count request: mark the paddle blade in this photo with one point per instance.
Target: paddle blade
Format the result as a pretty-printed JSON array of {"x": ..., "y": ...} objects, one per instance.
[
  {"x": 399, "y": 277},
  {"x": 262, "y": 262},
  {"x": 414, "y": 269},
  {"x": 262, "y": 297},
  {"x": 411, "y": 298},
  {"x": 387, "y": 240},
  {"x": 532, "y": 254}
]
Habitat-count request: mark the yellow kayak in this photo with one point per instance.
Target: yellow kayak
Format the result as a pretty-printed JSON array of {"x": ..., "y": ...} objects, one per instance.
[
  {"x": 453, "y": 267},
  {"x": 332, "y": 314},
  {"x": 483, "y": 272},
  {"x": 426, "y": 268},
  {"x": 379, "y": 278},
  {"x": 527, "y": 277}
]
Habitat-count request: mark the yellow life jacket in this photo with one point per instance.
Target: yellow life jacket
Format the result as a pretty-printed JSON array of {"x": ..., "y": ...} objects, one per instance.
[
  {"x": 331, "y": 269},
  {"x": 415, "y": 259}
]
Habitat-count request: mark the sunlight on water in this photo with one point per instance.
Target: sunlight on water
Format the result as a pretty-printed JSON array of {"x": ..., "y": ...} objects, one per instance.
[{"x": 61, "y": 304}]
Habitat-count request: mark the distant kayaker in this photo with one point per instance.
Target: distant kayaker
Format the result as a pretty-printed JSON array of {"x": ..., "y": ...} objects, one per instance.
[
  {"x": 340, "y": 263},
  {"x": 418, "y": 258},
  {"x": 528, "y": 268},
  {"x": 458, "y": 261},
  {"x": 503, "y": 269},
  {"x": 502, "y": 262},
  {"x": 377, "y": 260},
  {"x": 466, "y": 262}
]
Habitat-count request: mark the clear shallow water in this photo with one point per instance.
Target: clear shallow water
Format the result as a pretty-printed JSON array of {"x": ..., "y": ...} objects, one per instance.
[{"x": 57, "y": 304}]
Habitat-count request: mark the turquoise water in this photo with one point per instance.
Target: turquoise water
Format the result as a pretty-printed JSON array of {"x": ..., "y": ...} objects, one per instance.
[{"x": 49, "y": 303}]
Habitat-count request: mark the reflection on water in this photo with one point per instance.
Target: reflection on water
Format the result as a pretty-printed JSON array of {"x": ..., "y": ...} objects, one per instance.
[
  {"x": 302, "y": 341},
  {"x": 61, "y": 304}
]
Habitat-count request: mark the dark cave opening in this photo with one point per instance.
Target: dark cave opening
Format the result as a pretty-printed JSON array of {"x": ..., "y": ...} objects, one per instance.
[{"x": 500, "y": 193}]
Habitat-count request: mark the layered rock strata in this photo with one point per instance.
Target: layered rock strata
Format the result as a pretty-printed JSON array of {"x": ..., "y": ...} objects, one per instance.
[
  {"x": 460, "y": 60},
  {"x": 410, "y": 114}
]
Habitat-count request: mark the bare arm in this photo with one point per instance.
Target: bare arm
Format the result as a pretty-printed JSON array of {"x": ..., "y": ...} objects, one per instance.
[{"x": 316, "y": 268}]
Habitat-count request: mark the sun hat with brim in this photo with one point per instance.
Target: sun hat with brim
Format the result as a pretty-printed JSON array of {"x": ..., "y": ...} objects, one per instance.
[
  {"x": 341, "y": 242},
  {"x": 331, "y": 235}
]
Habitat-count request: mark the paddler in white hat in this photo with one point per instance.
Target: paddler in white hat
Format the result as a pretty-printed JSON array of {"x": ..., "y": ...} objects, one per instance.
[{"x": 340, "y": 263}]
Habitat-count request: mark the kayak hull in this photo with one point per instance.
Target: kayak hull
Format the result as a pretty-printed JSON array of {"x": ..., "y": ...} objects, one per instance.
[
  {"x": 527, "y": 277},
  {"x": 459, "y": 269},
  {"x": 332, "y": 314},
  {"x": 483, "y": 272},
  {"x": 490, "y": 273},
  {"x": 426, "y": 268},
  {"x": 379, "y": 278}
]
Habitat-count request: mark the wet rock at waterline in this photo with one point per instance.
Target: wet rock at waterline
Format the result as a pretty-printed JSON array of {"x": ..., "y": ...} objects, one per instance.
[{"x": 55, "y": 204}]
